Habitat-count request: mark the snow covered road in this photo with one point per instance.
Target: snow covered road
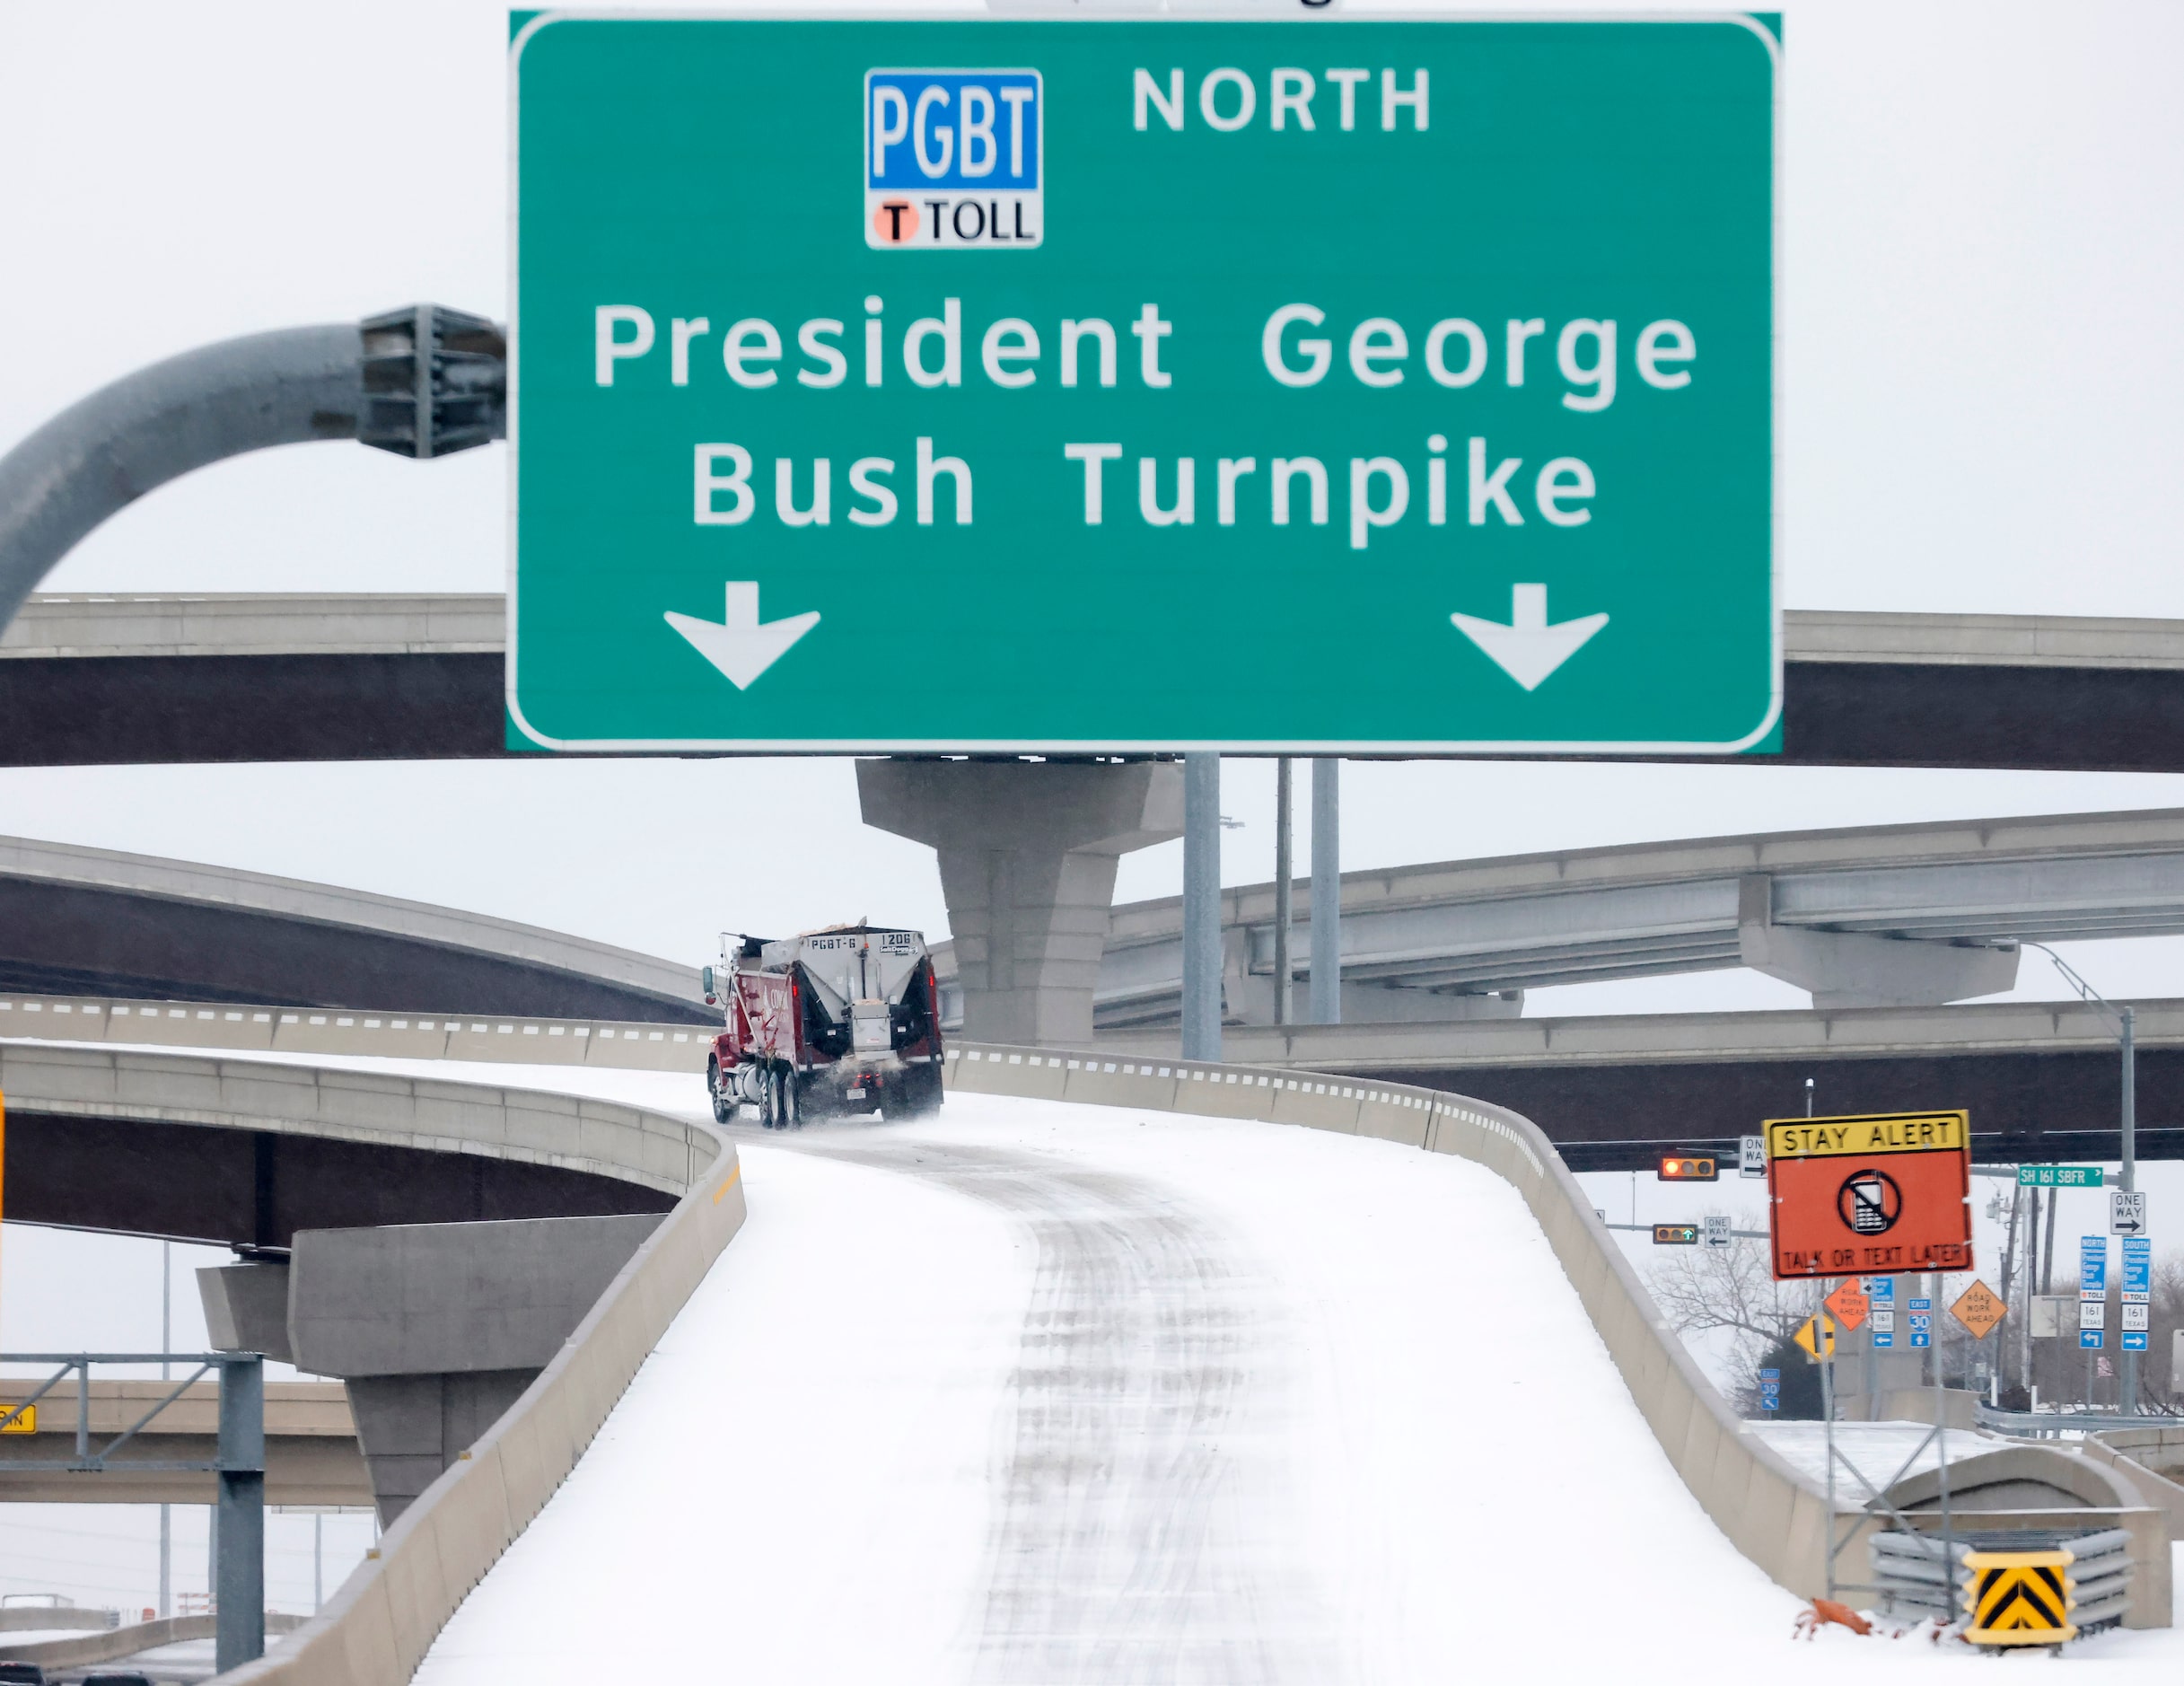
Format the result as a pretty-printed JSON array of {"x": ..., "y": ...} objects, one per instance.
[{"x": 1037, "y": 1393}]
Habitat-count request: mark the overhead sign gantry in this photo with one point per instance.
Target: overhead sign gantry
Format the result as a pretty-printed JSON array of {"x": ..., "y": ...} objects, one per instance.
[{"x": 1112, "y": 382}]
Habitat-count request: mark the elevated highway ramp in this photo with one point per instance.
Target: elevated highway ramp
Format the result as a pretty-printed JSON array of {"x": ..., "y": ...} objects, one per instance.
[{"x": 1040, "y": 1392}]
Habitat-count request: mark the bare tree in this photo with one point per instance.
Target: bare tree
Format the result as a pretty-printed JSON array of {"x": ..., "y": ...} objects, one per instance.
[
  {"x": 1706, "y": 1290},
  {"x": 2167, "y": 1317}
]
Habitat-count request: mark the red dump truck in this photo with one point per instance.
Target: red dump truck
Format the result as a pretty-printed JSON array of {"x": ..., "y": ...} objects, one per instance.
[{"x": 836, "y": 1020}]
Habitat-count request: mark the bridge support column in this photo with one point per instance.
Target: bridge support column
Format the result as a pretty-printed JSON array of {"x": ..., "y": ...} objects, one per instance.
[
  {"x": 437, "y": 1328},
  {"x": 1850, "y": 969},
  {"x": 1028, "y": 853}
]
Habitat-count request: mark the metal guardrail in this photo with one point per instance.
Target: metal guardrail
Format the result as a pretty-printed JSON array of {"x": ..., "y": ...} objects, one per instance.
[
  {"x": 2054, "y": 1425},
  {"x": 1927, "y": 1575}
]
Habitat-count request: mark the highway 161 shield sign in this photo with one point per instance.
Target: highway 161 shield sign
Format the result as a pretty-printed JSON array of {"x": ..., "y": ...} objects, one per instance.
[
  {"x": 1875, "y": 1195},
  {"x": 1075, "y": 383}
]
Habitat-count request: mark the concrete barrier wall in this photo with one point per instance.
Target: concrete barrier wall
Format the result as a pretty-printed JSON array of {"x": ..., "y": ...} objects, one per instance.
[
  {"x": 513, "y": 1040},
  {"x": 576, "y": 1133},
  {"x": 127, "y": 1641},
  {"x": 1776, "y": 1516},
  {"x": 376, "y": 1630}
]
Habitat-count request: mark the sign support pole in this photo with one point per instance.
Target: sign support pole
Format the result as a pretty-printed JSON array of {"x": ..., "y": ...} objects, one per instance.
[
  {"x": 2128, "y": 1382},
  {"x": 1284, "y": 867},
  {"x": 1202, "y": 906},
  {"x": 1941, "y": 1470},
  {"x": 1827, "y": 1420},
  {"x": 1326, "y": 891},
  {"x": 239, "y": 1558}
]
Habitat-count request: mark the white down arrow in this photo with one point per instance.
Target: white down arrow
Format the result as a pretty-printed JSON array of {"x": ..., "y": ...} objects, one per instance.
[
  {"x": 742, "y": 647},
  {"x": 1528, "y": 649}
]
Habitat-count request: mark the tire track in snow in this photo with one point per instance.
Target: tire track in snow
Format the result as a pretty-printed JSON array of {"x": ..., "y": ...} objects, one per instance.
[{"x": 1143, "y": 1507}]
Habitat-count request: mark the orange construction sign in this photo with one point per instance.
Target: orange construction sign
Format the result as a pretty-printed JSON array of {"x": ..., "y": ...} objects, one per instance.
[
  {"x": 1979, "y": 1308},
  {"x": 1848, "y": 1303},
  {"x": 1876, "y": 1195}
]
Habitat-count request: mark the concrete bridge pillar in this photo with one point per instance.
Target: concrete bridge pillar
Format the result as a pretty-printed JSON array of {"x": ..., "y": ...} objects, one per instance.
[
  {"x": 1027, "y": 852},
  {"x": 435, "y": 1328},
  {"x": 1854, "y": 969}
]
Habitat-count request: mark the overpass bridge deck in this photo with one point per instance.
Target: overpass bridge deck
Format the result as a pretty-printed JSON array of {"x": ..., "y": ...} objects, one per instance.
[{"x": 89, "y": 679}]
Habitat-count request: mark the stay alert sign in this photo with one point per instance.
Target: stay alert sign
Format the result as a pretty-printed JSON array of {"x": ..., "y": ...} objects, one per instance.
[{"x": 1872, "y": 1194}]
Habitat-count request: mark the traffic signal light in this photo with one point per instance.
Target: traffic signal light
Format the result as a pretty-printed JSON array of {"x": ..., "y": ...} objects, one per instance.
[
  {"x": 1675, "y": 1234},
  {"x": 1690, "y": 1168}
]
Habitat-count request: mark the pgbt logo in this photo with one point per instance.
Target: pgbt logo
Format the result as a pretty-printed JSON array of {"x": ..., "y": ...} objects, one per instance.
[{"x": 953, "y": 159}]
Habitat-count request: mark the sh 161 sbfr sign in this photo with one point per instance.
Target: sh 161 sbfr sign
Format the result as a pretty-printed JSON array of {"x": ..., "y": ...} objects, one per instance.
[{"x": 1875, "y": 1195}]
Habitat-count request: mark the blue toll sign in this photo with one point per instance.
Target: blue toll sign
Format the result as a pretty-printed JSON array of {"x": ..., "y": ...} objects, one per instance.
[
  {"x": 2137, "y": 1268},
  {"x": 2093, "y": 1267}
]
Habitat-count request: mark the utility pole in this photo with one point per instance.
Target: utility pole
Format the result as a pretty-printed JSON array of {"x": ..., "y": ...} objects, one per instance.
[
  {"x": 2047, "y": 1254},
  {"x": 1202, "y": 906},
  {"x": 1284, "y": 868},
  {"x": 1326, "y": 891}
]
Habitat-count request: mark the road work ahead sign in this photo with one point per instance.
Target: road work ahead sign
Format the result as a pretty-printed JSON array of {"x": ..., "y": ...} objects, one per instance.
[
  {"x": 1306, "y": 382},
  {"x": 1876, "y": 1195}
]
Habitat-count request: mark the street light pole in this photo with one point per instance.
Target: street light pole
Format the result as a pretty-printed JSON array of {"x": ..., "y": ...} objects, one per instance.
[
  {"x": 2128, "y": 1375},
  {"x": 2126, "y": 1018}
]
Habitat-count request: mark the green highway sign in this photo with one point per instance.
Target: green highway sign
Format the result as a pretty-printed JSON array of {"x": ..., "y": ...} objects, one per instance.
[
  {"x": 2059, "y": 1176},
  {"x": 1298, "y": 383}
]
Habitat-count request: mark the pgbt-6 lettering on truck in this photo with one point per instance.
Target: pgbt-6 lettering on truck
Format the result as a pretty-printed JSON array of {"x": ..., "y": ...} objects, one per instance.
[{"x": 1109, "y": 382}]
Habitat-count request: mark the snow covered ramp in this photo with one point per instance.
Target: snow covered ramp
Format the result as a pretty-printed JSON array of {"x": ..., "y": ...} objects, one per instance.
[{"x": 1043, "y": 1393}]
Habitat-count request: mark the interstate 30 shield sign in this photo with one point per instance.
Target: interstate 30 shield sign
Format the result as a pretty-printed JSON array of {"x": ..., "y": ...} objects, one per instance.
[
  {"x": 1284, "y": 383},
  {"x": 1880, "y": 1194}
]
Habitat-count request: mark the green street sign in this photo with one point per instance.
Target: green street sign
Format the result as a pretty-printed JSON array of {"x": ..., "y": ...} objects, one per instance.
[
  {"x": 2059, "y": 1176},
  {"x": 1079, "y": 383}
]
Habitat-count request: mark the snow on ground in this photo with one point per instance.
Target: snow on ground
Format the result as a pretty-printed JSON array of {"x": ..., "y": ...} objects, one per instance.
[
  {"x": 1038, "y": 1392},
  {"x": 1883, "y": 1452}
]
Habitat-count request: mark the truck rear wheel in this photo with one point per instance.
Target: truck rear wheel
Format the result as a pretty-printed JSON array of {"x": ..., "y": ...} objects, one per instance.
[
  {"x": 724, "y": 1095},
  {"x": 769, "y": 1099},
  {"x": 791, "y": 1099}
]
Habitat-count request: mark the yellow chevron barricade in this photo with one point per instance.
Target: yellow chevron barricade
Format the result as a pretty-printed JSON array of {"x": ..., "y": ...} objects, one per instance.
[{"x": 2019, "y": 1597}]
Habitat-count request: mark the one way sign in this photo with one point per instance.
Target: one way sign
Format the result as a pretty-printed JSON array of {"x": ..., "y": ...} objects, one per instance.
[{"x": 2127, "y": 1212}]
